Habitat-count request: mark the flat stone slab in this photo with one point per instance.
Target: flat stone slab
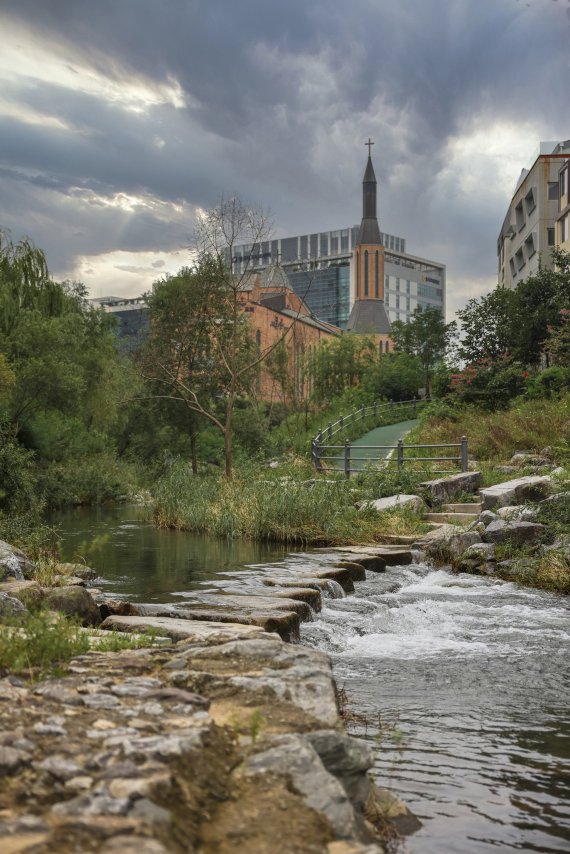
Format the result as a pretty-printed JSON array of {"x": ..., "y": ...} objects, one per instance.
[
  {"x": 248, "y": 601},
  {"x": 391, "y": 555},
  {"x": 394, "y": 502},
  {"x": 180, "y": 629},
  {"x": 518, "y": 491},
  {"x": 284, "y": 623}
]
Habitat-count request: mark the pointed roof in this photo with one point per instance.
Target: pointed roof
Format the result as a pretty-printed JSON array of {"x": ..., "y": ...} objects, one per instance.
[
  {"x": 369, "y": 230},
  {"x": 369, "y": 317}
]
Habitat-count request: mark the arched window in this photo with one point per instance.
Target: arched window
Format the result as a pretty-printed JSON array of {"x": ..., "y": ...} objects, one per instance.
[
  {"x": 376, "y": 291},
  {"x": 387, "y": 347},
  {"x": 357, "y": 275},
  {"x": 380, "y": 346},
  {"x": 366, "y": 272}
]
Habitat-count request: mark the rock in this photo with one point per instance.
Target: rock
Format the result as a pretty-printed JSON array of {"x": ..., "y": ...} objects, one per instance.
[
  {"x": 79, "y": 570},
  {"x": 521, "y": 459},
  {"x": 394, "y": 502},
  {"x": 348, "y": 759},
  {"x": 560, "y": 500},
  {"x": 74, "y": 602},
  {"x": 518, "y": 533},
  {"x": 285, "y": 623},
  {"x": 480, "y": 551},
  {"x": 180, "y": 629},
  {"x": 10, "y": 607},
  {"x": 119, "y": 607},
  {"x": 149, "y": 812},
  {"x": 92, "y": 805},
  {"x": 517, "y": 513},
  {"x": 124, "y": 844},
  {"x": 441, "y": 490},
  {"x": 383, "y": 805},
  {"x": 531, "y": 488},
  {"x": 60, "y": 767},
  {"x": 507, "y": 469},
  {"x": 451, "y": 546},
  {"x": 292, "y": 756},
  {"x": 14, "y": 563},
  {"x": 11, "y": 760},
  {"x": 487, "y": 516},
  {"x": 29, "y": 593}
]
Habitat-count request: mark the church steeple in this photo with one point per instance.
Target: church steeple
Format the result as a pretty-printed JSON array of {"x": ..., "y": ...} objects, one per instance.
[
  {"x": 369, "y": 231},
  {"x": 368, "y": 315}
]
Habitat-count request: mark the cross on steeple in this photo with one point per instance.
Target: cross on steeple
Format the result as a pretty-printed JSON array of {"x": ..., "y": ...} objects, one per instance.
[{"x": 369, "y": 144}]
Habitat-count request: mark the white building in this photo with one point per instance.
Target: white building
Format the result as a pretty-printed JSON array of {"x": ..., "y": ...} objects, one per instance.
[{"x": 529, "y": 229}]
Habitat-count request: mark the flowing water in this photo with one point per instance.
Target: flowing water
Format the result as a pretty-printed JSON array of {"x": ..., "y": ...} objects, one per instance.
[{"x": 469, "y": 676}]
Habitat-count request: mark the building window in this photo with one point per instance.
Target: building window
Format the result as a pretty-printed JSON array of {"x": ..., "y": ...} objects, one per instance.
[
  {"x": 564, "y": 183},
  {"x": 529, "y": 245},
  {"x": 387, "y": 347},
  {"x": 376, "y": 282},
  {"x": 519, "y": 259},
  {"x": 552, "y": 191},
  {"x": 564, "y": 228},
  {"x": 550, "y": 233},
  {"x": 519, "y": 216},
  {"x": 529, "y": 201},
  {"x": 397, "y": 284},
  {"x": 512, "y": 266},
  {"x": 398, "y": 301},
  {"x": 366, "y": 272}
]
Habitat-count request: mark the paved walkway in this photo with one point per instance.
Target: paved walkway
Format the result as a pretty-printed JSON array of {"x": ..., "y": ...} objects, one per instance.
[{"x": 387, "y": 435}]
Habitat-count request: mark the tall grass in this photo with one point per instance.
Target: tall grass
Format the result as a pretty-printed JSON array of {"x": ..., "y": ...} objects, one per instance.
[
  {"x": 528, "y": 425},
  {"x": 259, "y": 505}
]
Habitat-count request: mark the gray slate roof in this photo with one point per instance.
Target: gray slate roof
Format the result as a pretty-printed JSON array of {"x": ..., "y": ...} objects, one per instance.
[{"x": 369, "y": 317}]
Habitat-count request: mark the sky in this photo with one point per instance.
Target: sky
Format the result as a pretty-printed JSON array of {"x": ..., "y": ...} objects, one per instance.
[{"x": 121, "y": 119}]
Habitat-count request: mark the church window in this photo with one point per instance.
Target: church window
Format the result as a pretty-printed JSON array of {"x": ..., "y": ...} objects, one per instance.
[
  {"x": 387, "y": 347},
  {"x": 376, "y": 293},
  {"x": 366, "y": 273}
]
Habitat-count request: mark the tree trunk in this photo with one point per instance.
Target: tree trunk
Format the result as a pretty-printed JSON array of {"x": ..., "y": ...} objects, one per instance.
[{"x": 193, "y": 454}]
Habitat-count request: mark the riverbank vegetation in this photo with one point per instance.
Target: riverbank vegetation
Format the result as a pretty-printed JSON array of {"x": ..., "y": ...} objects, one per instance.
[{"x": 85, "y": 420}]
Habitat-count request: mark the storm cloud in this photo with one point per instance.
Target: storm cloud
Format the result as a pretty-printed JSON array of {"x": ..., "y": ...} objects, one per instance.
[{"x": 119, "y": 119}]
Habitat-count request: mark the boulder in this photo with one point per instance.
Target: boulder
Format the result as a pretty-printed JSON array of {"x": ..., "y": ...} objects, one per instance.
[
  {"x": 9, "y": 606},
  {"x": 531, "y": 488},
  {"x": 348, "y": 759},
  {"x": 448, "y": 547},
  {"x": 480, "y": 551},
  {"x": 518, "y": 533},
  {"x": 521, "y": 459},
  {"x": 14, "y": 563},
  {"x": 517, "y": 513},
  {"x": 441, "y": 490},
  {"x": 79, "y": 570},
  {"x": 393, "y": 502},
  {"x": 29, "y": 593},
  {"x": 487, "y": 516},
  {"x": 558, "y": 500},
  {"x": 74, "y": 602}
]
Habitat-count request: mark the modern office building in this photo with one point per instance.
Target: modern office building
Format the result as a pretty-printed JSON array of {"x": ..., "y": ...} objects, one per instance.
[
  {"x": 321, "y": 269},
  {"x": 529, "y": 229},
  {"x": 131, "y": 315}
]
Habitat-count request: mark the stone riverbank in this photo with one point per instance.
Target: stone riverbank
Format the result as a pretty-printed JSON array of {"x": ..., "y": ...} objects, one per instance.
[{"x": 228, "y": 739}]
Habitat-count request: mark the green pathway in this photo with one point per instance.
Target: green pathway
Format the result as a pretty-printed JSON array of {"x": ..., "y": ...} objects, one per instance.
[{"x": 388, "y": 435}]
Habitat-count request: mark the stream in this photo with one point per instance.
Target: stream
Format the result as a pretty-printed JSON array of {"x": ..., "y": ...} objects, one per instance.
[{"x": 469, "y": 676}]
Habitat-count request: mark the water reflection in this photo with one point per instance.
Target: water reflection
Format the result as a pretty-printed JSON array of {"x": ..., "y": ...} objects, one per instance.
[{"x": 143, "y": 563}]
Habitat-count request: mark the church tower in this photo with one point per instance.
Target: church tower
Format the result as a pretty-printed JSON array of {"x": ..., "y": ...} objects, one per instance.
[{"x": 368, "y": 315}]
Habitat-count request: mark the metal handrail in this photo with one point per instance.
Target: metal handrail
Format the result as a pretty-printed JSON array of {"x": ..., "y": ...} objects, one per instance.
[
  {"x": 319, "y": 457},
  {"x": 335, "y": 427}
]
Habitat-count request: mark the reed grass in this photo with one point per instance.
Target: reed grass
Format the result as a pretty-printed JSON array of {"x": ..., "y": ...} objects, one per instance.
[{"x": 287, "y": 508}]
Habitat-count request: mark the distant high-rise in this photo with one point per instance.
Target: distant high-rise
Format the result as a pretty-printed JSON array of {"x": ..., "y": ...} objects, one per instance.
[{"x": 321, "y": 269}]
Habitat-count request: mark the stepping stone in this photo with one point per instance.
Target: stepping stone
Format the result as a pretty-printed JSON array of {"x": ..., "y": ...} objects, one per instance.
[{"x": 179, "y": 629}]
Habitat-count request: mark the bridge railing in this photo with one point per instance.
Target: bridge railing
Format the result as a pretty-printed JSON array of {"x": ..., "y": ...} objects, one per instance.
[{"x": 345, "y": 459}]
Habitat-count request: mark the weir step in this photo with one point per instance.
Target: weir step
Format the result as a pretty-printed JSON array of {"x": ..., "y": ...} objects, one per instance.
[
  {"x": 475, "y": 507},
  {"x": 453, "y": 518}
]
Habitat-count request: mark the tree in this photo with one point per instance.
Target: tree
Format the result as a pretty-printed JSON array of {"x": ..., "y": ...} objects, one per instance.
[
  {"x": 536, "y": 309},
  {"x": 487, "y": 326},
  {"x": 339, "y": 364},
  {"x": 426, "y": 336},
  {"x": 203, "y": 350}
]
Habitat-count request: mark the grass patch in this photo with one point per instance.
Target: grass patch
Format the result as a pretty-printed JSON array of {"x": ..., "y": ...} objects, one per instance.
[
  {"x": 550, "y": 571},
  {"x": 40, "y": 643},
  {"x": 495, "y": 436},
  {"x": 281, "y": 505}
]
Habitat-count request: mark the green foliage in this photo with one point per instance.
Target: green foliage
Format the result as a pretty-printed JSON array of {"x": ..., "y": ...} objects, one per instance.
[
  {"x": 489, "y": 383},
  {"x": 393, "y": 376},
  {"x": 551, "y": 382},
  {"x": 426, "y": 336},
  {"x": 486, "y": 325},
  {"x": 40, "y": 643},
  {"x": 339, "y": 364}
]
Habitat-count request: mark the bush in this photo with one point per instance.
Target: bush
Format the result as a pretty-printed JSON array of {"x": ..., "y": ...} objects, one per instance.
[
  {"x": 489, "y": 383},
  {"x": 552, "y": 382}
]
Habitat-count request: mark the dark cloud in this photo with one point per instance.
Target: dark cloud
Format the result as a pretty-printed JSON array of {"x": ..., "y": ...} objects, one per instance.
[{"x": 279, "y": 99}]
